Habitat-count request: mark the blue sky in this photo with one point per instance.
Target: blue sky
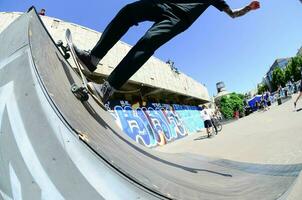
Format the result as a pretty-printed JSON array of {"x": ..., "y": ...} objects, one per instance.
[{"x": 215, "y": 48}]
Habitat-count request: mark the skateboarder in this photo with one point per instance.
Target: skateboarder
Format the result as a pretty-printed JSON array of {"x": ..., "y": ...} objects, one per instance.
[{"x": 170, "y": 18}]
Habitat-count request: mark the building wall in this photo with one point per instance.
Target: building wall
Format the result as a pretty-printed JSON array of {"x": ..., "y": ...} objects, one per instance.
[
  {"x": 156, "y": 124},
  {"x": 267, "y": 79},
  {"x": 154, "y": 73},
  {"x": 282, "y": 63}
]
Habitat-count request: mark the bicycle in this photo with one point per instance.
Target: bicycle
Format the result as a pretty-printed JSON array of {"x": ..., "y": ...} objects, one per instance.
[{"x": 216, "y": 123}]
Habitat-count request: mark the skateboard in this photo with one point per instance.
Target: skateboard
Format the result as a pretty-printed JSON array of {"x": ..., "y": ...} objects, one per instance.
[{"x": 83, "y": 91}]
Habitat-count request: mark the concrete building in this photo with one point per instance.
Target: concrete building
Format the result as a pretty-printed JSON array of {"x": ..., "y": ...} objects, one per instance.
[
  {"x": 267, "y": 79},
  {"x": 156, "y": 80}
]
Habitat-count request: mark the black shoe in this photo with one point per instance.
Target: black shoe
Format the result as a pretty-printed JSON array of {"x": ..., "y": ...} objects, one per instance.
[
  {"x": 86, "y": 59},
  {"x": 103, "y": 91}
]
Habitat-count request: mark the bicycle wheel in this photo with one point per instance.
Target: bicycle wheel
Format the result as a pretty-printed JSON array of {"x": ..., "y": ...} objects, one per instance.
[{"x": 219, "y": 127}]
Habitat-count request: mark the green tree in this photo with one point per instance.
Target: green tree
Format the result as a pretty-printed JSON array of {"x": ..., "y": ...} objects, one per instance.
[
  {"x": 241, "y": 96},
  {"x": 278, "y": 78},
  {"x": 288, "y": 72},
  {"x": 293, "y": 68},
  {"x": 231, "y": 103},
  {"x": 262, "y": 88}
]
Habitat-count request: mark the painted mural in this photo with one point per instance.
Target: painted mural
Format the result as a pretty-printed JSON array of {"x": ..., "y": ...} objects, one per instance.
[{"x": 156, "y": 124}]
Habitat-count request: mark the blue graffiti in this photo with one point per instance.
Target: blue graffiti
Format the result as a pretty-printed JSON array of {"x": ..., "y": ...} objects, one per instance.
[{"x": 156, "y": 124}]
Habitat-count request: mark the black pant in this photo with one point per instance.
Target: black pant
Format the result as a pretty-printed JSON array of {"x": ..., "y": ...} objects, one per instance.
[
  {"x": 166, "y": 25},
  {"x": 214, "y": 125}
]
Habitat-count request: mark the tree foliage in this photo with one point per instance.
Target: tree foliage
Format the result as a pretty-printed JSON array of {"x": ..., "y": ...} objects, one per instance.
[
  {"x": 293, "y": 69},
  {"x": 262, "y": 88},
  {"x": 278, "y": 78},
  {"x": 231, "y": 103},
  {"x": 288, "y": 73}
]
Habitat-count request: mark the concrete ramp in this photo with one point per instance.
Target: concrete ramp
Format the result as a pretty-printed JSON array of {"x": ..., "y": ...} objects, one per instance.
[{"x": 52, "y": 146}]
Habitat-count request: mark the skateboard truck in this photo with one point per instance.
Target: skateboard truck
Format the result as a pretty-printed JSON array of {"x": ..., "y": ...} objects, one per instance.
[
  {"x": 81, "y": 93},
  {"x": 65, "y": 49}
]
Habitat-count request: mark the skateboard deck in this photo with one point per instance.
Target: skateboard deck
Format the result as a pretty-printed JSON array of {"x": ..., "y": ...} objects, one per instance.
[{"x": 84, "y": 91}]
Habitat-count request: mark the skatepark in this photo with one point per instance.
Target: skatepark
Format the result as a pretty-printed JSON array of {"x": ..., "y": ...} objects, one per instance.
[{"x": 52, "y": 146}]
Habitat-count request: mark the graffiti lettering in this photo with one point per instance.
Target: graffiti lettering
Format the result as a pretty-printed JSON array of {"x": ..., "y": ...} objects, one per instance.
[{"x": 156, "y": 124}]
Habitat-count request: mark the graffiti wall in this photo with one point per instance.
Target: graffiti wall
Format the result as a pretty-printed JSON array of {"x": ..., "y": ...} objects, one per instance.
[{"x": 156, "y": 124}]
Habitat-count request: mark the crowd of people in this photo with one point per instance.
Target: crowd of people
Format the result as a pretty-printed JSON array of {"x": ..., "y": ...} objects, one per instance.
[{"x": 265, "y": 101}]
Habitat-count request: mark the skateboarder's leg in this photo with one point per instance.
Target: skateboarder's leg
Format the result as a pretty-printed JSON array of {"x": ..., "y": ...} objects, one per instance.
[
  {"x": 160, "y": 33},
  {"x": 127, "y": 17}
]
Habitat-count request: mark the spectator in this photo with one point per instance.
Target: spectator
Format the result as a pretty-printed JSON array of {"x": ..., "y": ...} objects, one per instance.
[
  {"x": 300, "y": 93},
  {"x": 218, "y": 114},
  {"x": 213, "y": 118},
  {"x": 268, "y": 99},
  {"x": 279, "y": 91},
  {"x": 42, "y": 12},
  {"x": 290, "y": 86},
  {"x": 257, "y": 105},
  {"x": 206, "y": 116},
  {"x": 264, "y": 102}
]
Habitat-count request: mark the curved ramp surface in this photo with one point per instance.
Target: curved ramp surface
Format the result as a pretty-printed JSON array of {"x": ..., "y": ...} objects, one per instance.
[{"x": 52, "y": 146}]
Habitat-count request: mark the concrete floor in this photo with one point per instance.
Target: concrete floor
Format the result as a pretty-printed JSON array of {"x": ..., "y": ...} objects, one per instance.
[{"x": 270, "y": 137}]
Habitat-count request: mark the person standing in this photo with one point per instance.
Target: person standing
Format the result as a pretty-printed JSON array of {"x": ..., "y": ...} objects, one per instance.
[
  {"x": 42, "y": 12},
  {"x": 299, "y": 95},
  {"x": 206, "y": 116}
]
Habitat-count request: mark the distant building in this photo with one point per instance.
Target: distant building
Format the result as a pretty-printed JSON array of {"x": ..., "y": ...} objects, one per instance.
[
  {"x": 299, "y": 53},
  {"x": 268, "y": 78}
]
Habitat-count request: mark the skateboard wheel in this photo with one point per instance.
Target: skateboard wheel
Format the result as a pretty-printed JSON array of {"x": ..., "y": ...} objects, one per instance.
[
  {"x": 66, "y": 55},
  {"x": 85, "y": 97},
  {"x": 81, "y": 93},
  {"x": 74, "y": 88},
  {"x": 59, "y": 43}
]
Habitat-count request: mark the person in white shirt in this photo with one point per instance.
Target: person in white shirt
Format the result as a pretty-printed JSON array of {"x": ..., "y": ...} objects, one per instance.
[{"x": 206, "y": 116}]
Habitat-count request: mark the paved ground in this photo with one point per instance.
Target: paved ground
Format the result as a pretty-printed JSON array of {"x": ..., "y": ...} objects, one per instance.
[{"x": 271, "y": 137}]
